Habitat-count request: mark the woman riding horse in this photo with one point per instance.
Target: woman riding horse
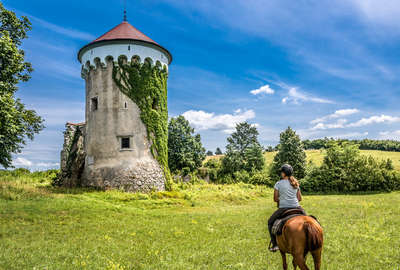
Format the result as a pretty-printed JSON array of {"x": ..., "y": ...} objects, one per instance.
[
  {"x": 300, "y": 234},
  {"x": 287, "y": 195}
]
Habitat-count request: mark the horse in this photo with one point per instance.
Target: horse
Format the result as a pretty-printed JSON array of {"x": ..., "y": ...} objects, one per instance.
[{"x": 300, "y": 235}]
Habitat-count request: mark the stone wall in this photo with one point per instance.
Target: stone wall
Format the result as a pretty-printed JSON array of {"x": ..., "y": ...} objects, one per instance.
[{"x": 73, "y": 155}]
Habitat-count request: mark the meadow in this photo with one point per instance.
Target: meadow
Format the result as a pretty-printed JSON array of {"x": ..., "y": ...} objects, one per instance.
[{"x": 199, "y": 226}]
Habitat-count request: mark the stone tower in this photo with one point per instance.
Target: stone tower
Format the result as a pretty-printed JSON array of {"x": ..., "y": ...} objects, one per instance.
[{"x": 125, "y": 132}]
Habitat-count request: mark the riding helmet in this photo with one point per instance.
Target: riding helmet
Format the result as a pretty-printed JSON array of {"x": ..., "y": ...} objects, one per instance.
[{"x": 287, "y": 169}]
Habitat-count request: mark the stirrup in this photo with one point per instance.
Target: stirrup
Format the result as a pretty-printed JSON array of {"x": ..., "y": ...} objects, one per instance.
[{"x": 272, "y": 248}]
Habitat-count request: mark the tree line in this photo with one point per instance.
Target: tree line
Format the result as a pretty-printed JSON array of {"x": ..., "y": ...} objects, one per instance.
[
  {"x": 365, "y": 144},
  {"x": 343, "y": 168}
]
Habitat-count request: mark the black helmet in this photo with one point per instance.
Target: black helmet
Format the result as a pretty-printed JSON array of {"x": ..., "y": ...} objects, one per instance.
[{"x": 287, "y": 169}]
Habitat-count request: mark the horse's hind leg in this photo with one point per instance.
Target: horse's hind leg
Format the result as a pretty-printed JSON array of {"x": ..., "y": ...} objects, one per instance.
[
  {"x": 283, "y": 254},
  {"x": 300, "y": 261},
  {"x": 317, "y": 259}
]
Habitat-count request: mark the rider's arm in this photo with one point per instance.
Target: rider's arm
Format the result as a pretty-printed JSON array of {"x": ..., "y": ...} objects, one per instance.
[
  {"x": 276, "y": 197},
  {"x": 299, "y": 195}
]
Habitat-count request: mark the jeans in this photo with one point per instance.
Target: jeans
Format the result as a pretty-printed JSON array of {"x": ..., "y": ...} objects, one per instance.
[{"x": 276, "y": 215}]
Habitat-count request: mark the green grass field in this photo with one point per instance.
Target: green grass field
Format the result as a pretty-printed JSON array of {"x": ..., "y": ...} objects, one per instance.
[{"x": 195, "y": 227}]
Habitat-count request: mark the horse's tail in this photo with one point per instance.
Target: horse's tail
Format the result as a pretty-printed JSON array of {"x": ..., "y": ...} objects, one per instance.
[{"x": 313, "y": 236}]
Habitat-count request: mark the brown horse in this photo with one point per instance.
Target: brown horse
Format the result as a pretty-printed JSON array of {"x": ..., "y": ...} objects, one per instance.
[{"x": 300, "y": 235}]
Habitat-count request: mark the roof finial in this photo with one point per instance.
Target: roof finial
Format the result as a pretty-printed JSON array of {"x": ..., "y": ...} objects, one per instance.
[{"x": 125, "y": 11}]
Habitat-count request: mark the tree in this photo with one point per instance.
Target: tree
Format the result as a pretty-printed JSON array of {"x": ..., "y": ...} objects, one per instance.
[
  {"x": 243, "y": 151},
  {"x": 218, "y": 151},
  {"x": 16, "y": 122},
  {"x": 184, "y": 147},
  {"x": 344, "y": 169},
  {"x": 291, "y": 151},
  {"x": 209, "y": 153}
]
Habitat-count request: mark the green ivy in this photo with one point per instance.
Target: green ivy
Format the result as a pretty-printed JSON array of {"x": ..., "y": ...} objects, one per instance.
[{"x": 146, "y": 85}]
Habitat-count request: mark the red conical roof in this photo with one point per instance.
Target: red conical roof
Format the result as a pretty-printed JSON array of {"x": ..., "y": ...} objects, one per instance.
[{"x": 124, "y": 31}]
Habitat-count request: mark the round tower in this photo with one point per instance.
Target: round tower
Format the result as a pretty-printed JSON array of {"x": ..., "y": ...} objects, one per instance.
[{"x": 126, "y": 110}]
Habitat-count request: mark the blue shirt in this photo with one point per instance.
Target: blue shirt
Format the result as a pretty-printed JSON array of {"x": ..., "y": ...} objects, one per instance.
[{"x": 287, "y": 194}]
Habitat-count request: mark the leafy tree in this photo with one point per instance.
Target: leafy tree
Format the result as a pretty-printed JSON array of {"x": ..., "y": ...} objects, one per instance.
[
  {"x": 290, "y": 150},
  {"x": 218, "y": 151},
  {"x": 16, "y": 122},
  {"x": 209, "y": 153},
  {"x": 184, "y": 147},
  {"x": 243, "y": 152},
  {"x": 269, "y": 149}
]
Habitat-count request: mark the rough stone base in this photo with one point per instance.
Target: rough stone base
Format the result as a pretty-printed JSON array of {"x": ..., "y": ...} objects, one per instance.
[{"x": 143, "y": 176}]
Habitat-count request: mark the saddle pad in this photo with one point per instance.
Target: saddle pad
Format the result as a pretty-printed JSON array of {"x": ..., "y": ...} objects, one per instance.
[{"x": 279, "y": 223}]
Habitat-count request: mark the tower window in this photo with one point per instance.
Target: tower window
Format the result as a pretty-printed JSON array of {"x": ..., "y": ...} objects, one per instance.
[
  {"x": 95, "y": 103},
  {"x": 125, "y": 105},
  {"x": 125, "y": 143},
  {"x": 129, "y": 47}
]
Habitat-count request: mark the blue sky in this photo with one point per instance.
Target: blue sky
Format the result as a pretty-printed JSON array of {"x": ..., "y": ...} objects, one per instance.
[{"x": 325, "y": 68}]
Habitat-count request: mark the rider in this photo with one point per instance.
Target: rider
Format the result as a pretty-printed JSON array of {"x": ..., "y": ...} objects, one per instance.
[{"x": 287, "y": 195}]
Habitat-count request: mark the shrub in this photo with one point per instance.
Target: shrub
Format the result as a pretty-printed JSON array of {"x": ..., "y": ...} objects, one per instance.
[
  {"x": 213, "y": 163},
  {"x": 344, "y": 169},
  {"x": 261, "y": 178}
]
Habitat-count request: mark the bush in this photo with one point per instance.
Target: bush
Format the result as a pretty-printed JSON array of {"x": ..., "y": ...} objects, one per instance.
[
  {"x": 261, "y": 178},
  {"x": 344, "y": 169},
  {"x": 213, "y": 163}
]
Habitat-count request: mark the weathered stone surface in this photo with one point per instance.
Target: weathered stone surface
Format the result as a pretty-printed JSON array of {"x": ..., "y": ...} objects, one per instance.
[
  {"x": 73, "y": 155},
  {"x": 140, "y": 176}
]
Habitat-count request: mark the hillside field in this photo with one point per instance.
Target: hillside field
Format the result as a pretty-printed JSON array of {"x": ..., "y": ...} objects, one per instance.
[
  {"x": 317, "y": 156},
  {"x": 201, "y": 226}
]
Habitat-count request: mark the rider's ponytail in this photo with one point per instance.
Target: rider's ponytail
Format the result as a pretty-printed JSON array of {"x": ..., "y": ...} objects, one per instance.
[{"x": 293, "y": 181}]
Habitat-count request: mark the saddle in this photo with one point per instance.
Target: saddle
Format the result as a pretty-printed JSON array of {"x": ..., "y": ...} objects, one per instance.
[{"x": 288, "y": 214}]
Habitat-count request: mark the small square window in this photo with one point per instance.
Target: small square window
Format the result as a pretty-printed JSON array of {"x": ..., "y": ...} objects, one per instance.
[
  {"x": 125, "y": 143},
  {"x": 95, "y": 104}
]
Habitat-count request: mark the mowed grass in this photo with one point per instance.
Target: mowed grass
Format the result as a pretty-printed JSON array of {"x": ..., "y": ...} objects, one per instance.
[{"x": 198, "y": 226}]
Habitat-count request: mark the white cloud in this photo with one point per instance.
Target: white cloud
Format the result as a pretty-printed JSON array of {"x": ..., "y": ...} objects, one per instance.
[
  {"x": 202, "y": 120},
  {"x": 26, "y": 163},
  {"x": 266, "y": 89},
  {"x": 22, "y": 162},
  {"x": 376, "y": 119},
  {"x": 390, "y": 135},
  {"x": 340, "y": 123},
  {"x": 336, "y": 114},
  {"x": 296, "y": 97}
]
